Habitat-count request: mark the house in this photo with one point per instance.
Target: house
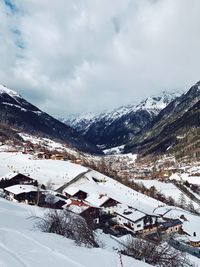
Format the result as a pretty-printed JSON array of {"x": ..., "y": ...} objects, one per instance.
[
  {"x": 43, "y": 155},
  {"x": 18, "y": 178},
  {"x": 84, "y": 209},
  {"x": 71, "y": 191},
  {"x": 170, "y": 226},
  {"x": 92, "y": 197},
  {"x": 57, "y": 157},
  {"x": 75, "y": 193},
  {"x": 24, "y": 193},
  {"x": 194, "y": 242},
  {"x": 80, "y": 195},
  {"x": 103, "y": 201},
  {"x": 134, "y": 219},
  {"x": 54, "y": 201}
]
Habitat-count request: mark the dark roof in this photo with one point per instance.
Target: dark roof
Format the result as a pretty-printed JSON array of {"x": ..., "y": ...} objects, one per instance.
[{"x": 171, "y": 223}]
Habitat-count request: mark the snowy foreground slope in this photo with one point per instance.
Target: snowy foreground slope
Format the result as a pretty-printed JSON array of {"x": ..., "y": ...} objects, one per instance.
[{"x": 21, "y": 246}]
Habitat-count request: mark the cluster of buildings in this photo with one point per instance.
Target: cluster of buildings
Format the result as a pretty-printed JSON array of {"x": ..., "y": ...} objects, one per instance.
[
  {"x": 100, "y": 209},
  {"x": 115, "y": 217}
]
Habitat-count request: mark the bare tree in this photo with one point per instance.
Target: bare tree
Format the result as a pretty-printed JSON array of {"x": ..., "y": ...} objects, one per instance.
[
  {"x": 161, "y": 255},
  {"x": 68, "y": 225}
]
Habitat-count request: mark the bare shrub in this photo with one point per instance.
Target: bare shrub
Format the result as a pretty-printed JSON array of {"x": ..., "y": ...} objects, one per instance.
[
  {"x": 68, "y": 225},
  {"x": 161, "y": 255}
]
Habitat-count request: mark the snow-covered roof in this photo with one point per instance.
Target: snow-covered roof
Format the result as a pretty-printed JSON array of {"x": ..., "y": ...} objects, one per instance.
[
  {"x": 10, "y": 175},
  {"x": 194, "y": 239},
  {"x": 71, "y": 190},
  {"x": 97, "y": 199},
  {"x": 76, "y": 206},
  {"x": 51, "y": 198},
  {"x": 129, "y": 213},
  {"x": 19, "y": 188}
]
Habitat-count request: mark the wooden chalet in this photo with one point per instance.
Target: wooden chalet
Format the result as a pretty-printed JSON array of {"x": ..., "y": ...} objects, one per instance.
[
  {"x": 25, "y": 193},
  {"x": 18, "y": 178},
  {"x": 194, "y": 242},
  {"x": 87, "y": 211},
  {"x": 170, "y": 226},
  {"x": 134, "y": 219}
]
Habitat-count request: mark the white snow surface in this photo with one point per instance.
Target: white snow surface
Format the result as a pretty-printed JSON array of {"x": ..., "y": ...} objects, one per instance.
[
  {"x": 22, "y": 246},
  {"x": 186, "y": 177},
  {"x": 17, "y": 189},
  {"x": 169, "y": 190},
  {"x": 52, "y": 172}
]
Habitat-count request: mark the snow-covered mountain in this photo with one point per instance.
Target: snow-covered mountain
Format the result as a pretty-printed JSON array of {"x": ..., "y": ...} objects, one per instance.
[
  {"x": 18, "y": 115},
  {"x": 117, "y": 127},
  {"x": 79, "y": 122},
  {"x": 181, "y": 117}
]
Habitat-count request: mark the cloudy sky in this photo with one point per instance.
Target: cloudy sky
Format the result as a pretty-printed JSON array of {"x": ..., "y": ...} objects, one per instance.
[{"x": 70, "y": 56}]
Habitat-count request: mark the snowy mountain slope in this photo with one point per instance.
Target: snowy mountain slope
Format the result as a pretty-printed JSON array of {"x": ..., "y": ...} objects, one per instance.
[
  {"x": 179, "y": 117},
  {"x": 22, "y": 246},
  {"x": 116, "y": 127},
  {"x": 80, "y": 122},
  {"x": 17, "y": 113},
  {"x": 169, "y": 190}
]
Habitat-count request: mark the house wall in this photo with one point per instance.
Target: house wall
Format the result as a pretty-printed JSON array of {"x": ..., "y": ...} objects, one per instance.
[
  {"x": 173, "y": 229},
  {"x": 91, "y": 215},
  {"x": 150, "y": 230},
  {"x": 195, "y": 244},
  {"x": 138, "y": 226}
]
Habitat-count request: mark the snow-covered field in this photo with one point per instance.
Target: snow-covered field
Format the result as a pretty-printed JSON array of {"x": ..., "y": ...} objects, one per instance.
[
  {"x": 186, "y": 177},
  {"x": 21, "y": 246},
  {"x": 169, "y": 190},
  {"x": 52, "y": 172},
  {"x": 47, "y": 143}
]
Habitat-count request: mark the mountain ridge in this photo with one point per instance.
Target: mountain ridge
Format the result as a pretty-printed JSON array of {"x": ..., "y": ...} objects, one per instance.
[
  {"x": 116, "y": 128},
  {"x": 162, "y": 132},
  {"x": 21, "y": 115}
]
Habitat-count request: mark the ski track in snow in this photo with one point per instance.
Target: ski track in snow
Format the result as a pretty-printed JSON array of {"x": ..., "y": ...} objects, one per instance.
[
  {"x": 17, "y": 259},
  {"x": 12, "y": 253}
]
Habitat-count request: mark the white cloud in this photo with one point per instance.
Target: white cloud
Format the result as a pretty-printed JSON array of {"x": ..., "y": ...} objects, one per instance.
[{"x": 75, "y": 55}]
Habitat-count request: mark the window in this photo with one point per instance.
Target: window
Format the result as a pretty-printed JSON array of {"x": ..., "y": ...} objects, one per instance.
[
  {"x": 139, "y": 225},
  {"x": 96, "y": 220}
]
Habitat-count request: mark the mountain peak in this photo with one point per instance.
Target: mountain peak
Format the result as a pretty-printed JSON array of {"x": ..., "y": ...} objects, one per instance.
[
  {"x": 196, "y": 87},
  {"x": 197, "y": 84},
  {"x": 5, "y": 90}
]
